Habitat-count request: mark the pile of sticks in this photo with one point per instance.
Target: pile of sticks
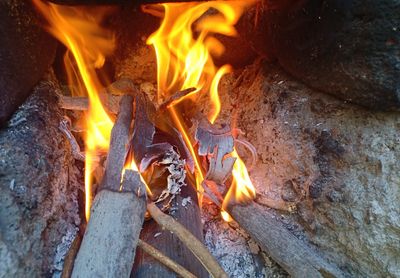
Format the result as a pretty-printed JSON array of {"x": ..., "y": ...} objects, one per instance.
[{"x": 112, "y": 234}]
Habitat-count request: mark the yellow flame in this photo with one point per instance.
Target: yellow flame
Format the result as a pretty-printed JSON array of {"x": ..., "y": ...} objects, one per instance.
[
  {"x": 80, "y": 31},
  {"x": 131, "y": 165},
  {"x": 184, "y": 46},
  {"x": 241, "y": 189}
]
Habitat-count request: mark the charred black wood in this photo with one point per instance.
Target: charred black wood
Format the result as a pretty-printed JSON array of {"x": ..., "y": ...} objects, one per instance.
[
  {"x": 143, "y": 127},
  {"x": 185, "y": 210}
]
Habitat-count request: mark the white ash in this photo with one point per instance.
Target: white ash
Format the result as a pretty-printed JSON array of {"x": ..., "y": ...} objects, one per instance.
[
  {"x": 157, "y": 235},
  {"x": 62, "y": 250},
  {"x": 186, "y": 201},
  {"x": 237, "y": 253},
  {"x": 176, "y": 178}
]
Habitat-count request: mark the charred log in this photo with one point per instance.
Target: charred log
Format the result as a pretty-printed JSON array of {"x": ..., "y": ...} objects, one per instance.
[
  {"x": 293, "y": 255},
  {"x": 189, "y": 216},
  {"x": 109, "y": 244}
]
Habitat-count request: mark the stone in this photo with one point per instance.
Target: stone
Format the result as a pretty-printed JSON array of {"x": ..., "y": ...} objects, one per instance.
[
  {"x": 349, "y": 49},
  {"x": 26, "y": 53},
  {"x": 341, "y": 161},
  {"x": 38, "y": 189}
]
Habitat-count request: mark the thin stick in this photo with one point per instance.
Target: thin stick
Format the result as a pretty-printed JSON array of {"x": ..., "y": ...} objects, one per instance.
[
  {"x": 196, "y": 246},
  {"x": 156, "y": 254},
  {"x": 110, "y": 102},
  {"x": 70, "y": 257}
]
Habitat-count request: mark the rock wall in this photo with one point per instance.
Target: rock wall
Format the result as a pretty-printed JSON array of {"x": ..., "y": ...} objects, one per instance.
[
  {"x": 38, "y": 188},
  {"x": 338, "y": 161},
  {"x": 347, "y": 48}
]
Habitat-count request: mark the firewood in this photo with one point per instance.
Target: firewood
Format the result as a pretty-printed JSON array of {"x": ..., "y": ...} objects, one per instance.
[
  {"x": 110, "y": 240},
  {"x": 293, "y": 255},
  {"x": 70, "y": 257},
  {"x": 109, "y": 244},
  {"x": 168, "y": 243},
  {"x": 196, "y": 246},
  {"x": 178, "y": 269},
  {"x": 110, "y": 102},
  {"x": 118, "y": 146}
]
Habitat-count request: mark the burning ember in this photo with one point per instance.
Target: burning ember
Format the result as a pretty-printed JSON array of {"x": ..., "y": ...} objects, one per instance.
[{"x": 185, "y": 46}]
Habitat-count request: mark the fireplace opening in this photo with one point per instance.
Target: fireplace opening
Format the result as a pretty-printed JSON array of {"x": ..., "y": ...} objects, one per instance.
[{"x": 239, "y": 138}]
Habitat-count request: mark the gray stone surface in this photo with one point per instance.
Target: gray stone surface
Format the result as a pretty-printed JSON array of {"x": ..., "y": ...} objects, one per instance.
[
  {"x": 38, "y": 188},
  {"x": 338, "y": 161},
  {"x": 350, "y": 49},
  {"x": 26, "y": 53}
]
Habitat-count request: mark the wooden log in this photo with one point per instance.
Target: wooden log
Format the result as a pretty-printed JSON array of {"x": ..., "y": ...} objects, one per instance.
[
  {"x": 169, "y": 244},
  {"x": 298, "y": 259},
  {"x": 109, "y": 244},
  {"x": 109, "y": 101},
  {"x": 156, "y": 254},
  {"x": 117, "y": 215},
  {"x": 118, "y": 146}
]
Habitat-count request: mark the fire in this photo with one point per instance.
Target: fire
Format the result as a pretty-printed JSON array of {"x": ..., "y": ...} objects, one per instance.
[
  {"x": 185, "y": 46},
  {"x": 79, "y": 30},
  {"x": 241, "y": 189}
]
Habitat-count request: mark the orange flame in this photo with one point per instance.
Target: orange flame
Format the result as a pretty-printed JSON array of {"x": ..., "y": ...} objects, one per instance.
[
  {"x": 79, "y": 30},
  {"x": 184, "y": 47},
  {"x": 241, "y": 189}
]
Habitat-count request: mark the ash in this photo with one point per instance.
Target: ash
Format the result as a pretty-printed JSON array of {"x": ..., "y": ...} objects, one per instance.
[
  {"x": 236, "y": 252},
  {"x": 62, "y": 250}
]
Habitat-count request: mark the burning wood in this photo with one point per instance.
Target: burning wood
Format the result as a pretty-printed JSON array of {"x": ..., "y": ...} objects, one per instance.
[
  {"x": 117, "y": 213},
  {"x": 196, "y": 246},
  {"x": 159, "y": 139},
  {"x": 180, "y": 270}
]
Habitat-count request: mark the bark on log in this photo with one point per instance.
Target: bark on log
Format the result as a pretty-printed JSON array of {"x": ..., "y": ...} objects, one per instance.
[
  {"x": 110, "y": 102},
  {"x": 118, "y": 146},
  {"x": 169, "y": 244},
  {"x": 109, "y": 244},
  {"x": 288, "y": 251},
  {"x": 178, "y": 269}
]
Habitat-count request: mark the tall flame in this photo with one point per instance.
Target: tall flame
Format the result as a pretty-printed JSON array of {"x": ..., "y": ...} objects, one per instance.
[
  {"x": 79, "y": 30},
  {"x": 184, "y": 46},
  {"x": 241, "y": 189}
]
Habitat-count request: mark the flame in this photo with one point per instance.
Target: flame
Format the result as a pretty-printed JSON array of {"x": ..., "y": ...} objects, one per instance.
[
  {"x": 131, "y": 165},
  {"x": 184, "y": 45},
  {"x": 241, "y": 189},
  {"x": 88, "y": 44}
]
